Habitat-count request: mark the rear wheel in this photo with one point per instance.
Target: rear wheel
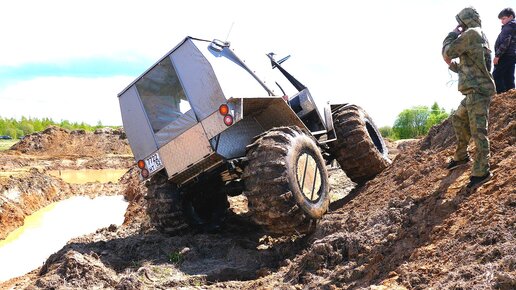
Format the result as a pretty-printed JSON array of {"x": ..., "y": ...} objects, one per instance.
[
  {"x": 171, "y": 211},
  {"x": 164, "y": 205},
  {"x": 286, "y": 182},
  {"x": 359, "y": 148}
]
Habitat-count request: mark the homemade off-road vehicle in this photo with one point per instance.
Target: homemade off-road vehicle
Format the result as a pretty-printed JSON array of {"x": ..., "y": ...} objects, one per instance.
[{"x": 203, "y": 126}]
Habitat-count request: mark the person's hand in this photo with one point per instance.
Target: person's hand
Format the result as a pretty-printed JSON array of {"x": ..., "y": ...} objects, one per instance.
[
  {"x": 458, "y": 29},
  {"x": 495, "y": 60}
]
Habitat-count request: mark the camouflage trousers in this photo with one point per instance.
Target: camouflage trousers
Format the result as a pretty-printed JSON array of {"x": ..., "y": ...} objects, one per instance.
[{"x": 470, "y": 121}]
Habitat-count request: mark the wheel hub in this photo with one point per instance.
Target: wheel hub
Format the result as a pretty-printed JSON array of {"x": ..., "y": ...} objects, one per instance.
[{"x": 308, "y": 177}]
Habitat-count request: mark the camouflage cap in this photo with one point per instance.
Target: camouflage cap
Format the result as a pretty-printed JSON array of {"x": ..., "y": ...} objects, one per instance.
[{"x": 469, "y": 17}]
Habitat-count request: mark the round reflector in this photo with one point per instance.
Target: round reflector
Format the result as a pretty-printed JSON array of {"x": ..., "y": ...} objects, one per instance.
[
  {"x": 141, "y": 164},
  {"x": 223, "y": 109},
  {"x": 145, "y": 173},
  {"x": 228, "y": 120}
]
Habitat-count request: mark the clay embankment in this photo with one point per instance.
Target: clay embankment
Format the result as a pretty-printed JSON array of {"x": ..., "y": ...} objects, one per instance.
[
  {"x": 26, "y": 186},
  {"x": 414, "y": 226}
]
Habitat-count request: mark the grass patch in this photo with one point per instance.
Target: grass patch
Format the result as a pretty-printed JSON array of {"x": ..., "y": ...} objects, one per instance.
[
  {"x": 6, "y": 144},
  {"x": 176, "y": 257}
]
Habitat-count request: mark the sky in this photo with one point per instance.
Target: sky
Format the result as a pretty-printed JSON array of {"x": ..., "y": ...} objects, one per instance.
[{"x": 68, "y": 60}]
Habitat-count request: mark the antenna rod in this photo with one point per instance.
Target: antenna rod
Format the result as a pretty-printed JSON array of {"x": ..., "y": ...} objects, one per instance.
[{"x": 229, "y": 32}]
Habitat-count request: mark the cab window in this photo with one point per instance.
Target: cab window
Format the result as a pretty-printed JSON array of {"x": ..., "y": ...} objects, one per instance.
[{"x": 162, "y": 96}]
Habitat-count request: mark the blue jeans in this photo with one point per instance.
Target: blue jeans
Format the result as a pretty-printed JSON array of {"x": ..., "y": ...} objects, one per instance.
[{"x": 503, "y": 73}]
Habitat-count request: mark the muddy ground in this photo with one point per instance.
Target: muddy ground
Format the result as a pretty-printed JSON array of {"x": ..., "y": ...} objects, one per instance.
[
  {"x": 412, "y": 227},
  {"x": 26, "y": 185}
]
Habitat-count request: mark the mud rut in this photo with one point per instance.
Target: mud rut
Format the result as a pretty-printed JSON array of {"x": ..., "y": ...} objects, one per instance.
[
  {"x": 237, "y": 253},
  {"x": 136, "y": 254}
]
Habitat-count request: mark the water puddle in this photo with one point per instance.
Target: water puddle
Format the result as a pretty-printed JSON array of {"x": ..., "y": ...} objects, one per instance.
[
  {"x": 47, "y": 231},
  {"x": 14, "y": 172},
  {"x": 88, "y": 175}
]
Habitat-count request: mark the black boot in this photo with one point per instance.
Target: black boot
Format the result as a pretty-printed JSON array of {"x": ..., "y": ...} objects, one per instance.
[
  {"x": 476, "y": 181},
  {"x": 454, "y": 164}
]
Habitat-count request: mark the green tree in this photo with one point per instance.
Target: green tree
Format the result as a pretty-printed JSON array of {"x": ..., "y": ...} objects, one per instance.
[
  {"x": 66, "y": 125},
  {"x": 437, "y": 115},
  {"x": 416, "y": 121},
  {"x": 99, "y": 125},
  {"x": 37, "y": 125},
  {"x": 3, "y": 127},
  {"x": 420, "y": 117},
  {"x": 386, "y": 132},
  {"x": 411, "y": 123},
  {"x": 11, "y": 132},
  {"x": 47, "y": 122},
  {"x": 26, "y": 127},
  {"x": 403, "y": 128}
]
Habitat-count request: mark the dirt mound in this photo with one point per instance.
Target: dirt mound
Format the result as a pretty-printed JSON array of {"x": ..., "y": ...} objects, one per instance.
[
  {"x": 135, "y": 192},
  {"x": 415, "y": 226},
  {"x": 412, "y": 227},
  {"x": 61, "y": 142}
]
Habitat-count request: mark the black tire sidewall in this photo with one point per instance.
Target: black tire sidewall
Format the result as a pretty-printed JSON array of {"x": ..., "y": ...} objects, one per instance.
[{"x": 385, "y": 151}]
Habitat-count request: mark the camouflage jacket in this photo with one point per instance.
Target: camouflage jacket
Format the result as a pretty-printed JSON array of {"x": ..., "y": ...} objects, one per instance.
[{"x": 472, "y": 49}]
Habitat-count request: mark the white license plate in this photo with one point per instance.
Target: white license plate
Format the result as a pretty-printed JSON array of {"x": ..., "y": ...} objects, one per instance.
[{"x": 153, "y": 163}]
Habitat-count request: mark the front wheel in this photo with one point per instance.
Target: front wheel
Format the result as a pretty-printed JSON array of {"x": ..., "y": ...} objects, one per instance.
[{"x": 286, "y": 181}]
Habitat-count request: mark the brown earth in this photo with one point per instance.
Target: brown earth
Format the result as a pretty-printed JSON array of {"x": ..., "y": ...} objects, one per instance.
[
  {"x": 56, "y": 141},
  {"x": 413, "y": 227},
  {"x": 26, "y": 186}
]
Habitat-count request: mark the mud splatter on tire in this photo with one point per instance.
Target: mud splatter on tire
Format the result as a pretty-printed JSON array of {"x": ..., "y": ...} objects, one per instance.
[
  {"x": 359, "y": 149},
  {"x": 275, "y": 200}
]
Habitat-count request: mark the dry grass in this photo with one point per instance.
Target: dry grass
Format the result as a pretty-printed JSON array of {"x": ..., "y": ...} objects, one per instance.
[{"x": 6, "y": 144}]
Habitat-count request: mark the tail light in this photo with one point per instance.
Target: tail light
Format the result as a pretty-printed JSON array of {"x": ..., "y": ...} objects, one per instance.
[
  {"x": 144, "y": 172},
  {"x": 223, "y": 109},
  {"x": 228, "y": 120}
]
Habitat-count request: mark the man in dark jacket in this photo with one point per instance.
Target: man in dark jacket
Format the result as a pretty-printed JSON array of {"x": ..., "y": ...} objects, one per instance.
[{"x": 505, "y": 52}]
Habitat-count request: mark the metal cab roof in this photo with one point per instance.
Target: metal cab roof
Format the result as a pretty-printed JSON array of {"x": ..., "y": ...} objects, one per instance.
[{"x": 208, "y": 77}]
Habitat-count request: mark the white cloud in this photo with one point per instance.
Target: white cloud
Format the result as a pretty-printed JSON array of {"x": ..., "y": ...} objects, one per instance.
[{"x": 86, "y": 100}]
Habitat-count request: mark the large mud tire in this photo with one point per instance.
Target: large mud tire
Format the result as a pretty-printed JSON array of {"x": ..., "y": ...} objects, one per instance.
[
  {"x": 359, "y": 149},
  {"x": 277, "y": 198},
  {"x": 164, "y": 205}
]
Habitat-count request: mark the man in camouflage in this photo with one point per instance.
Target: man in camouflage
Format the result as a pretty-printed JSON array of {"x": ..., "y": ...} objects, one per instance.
[{"x": 468, "y": 43}]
